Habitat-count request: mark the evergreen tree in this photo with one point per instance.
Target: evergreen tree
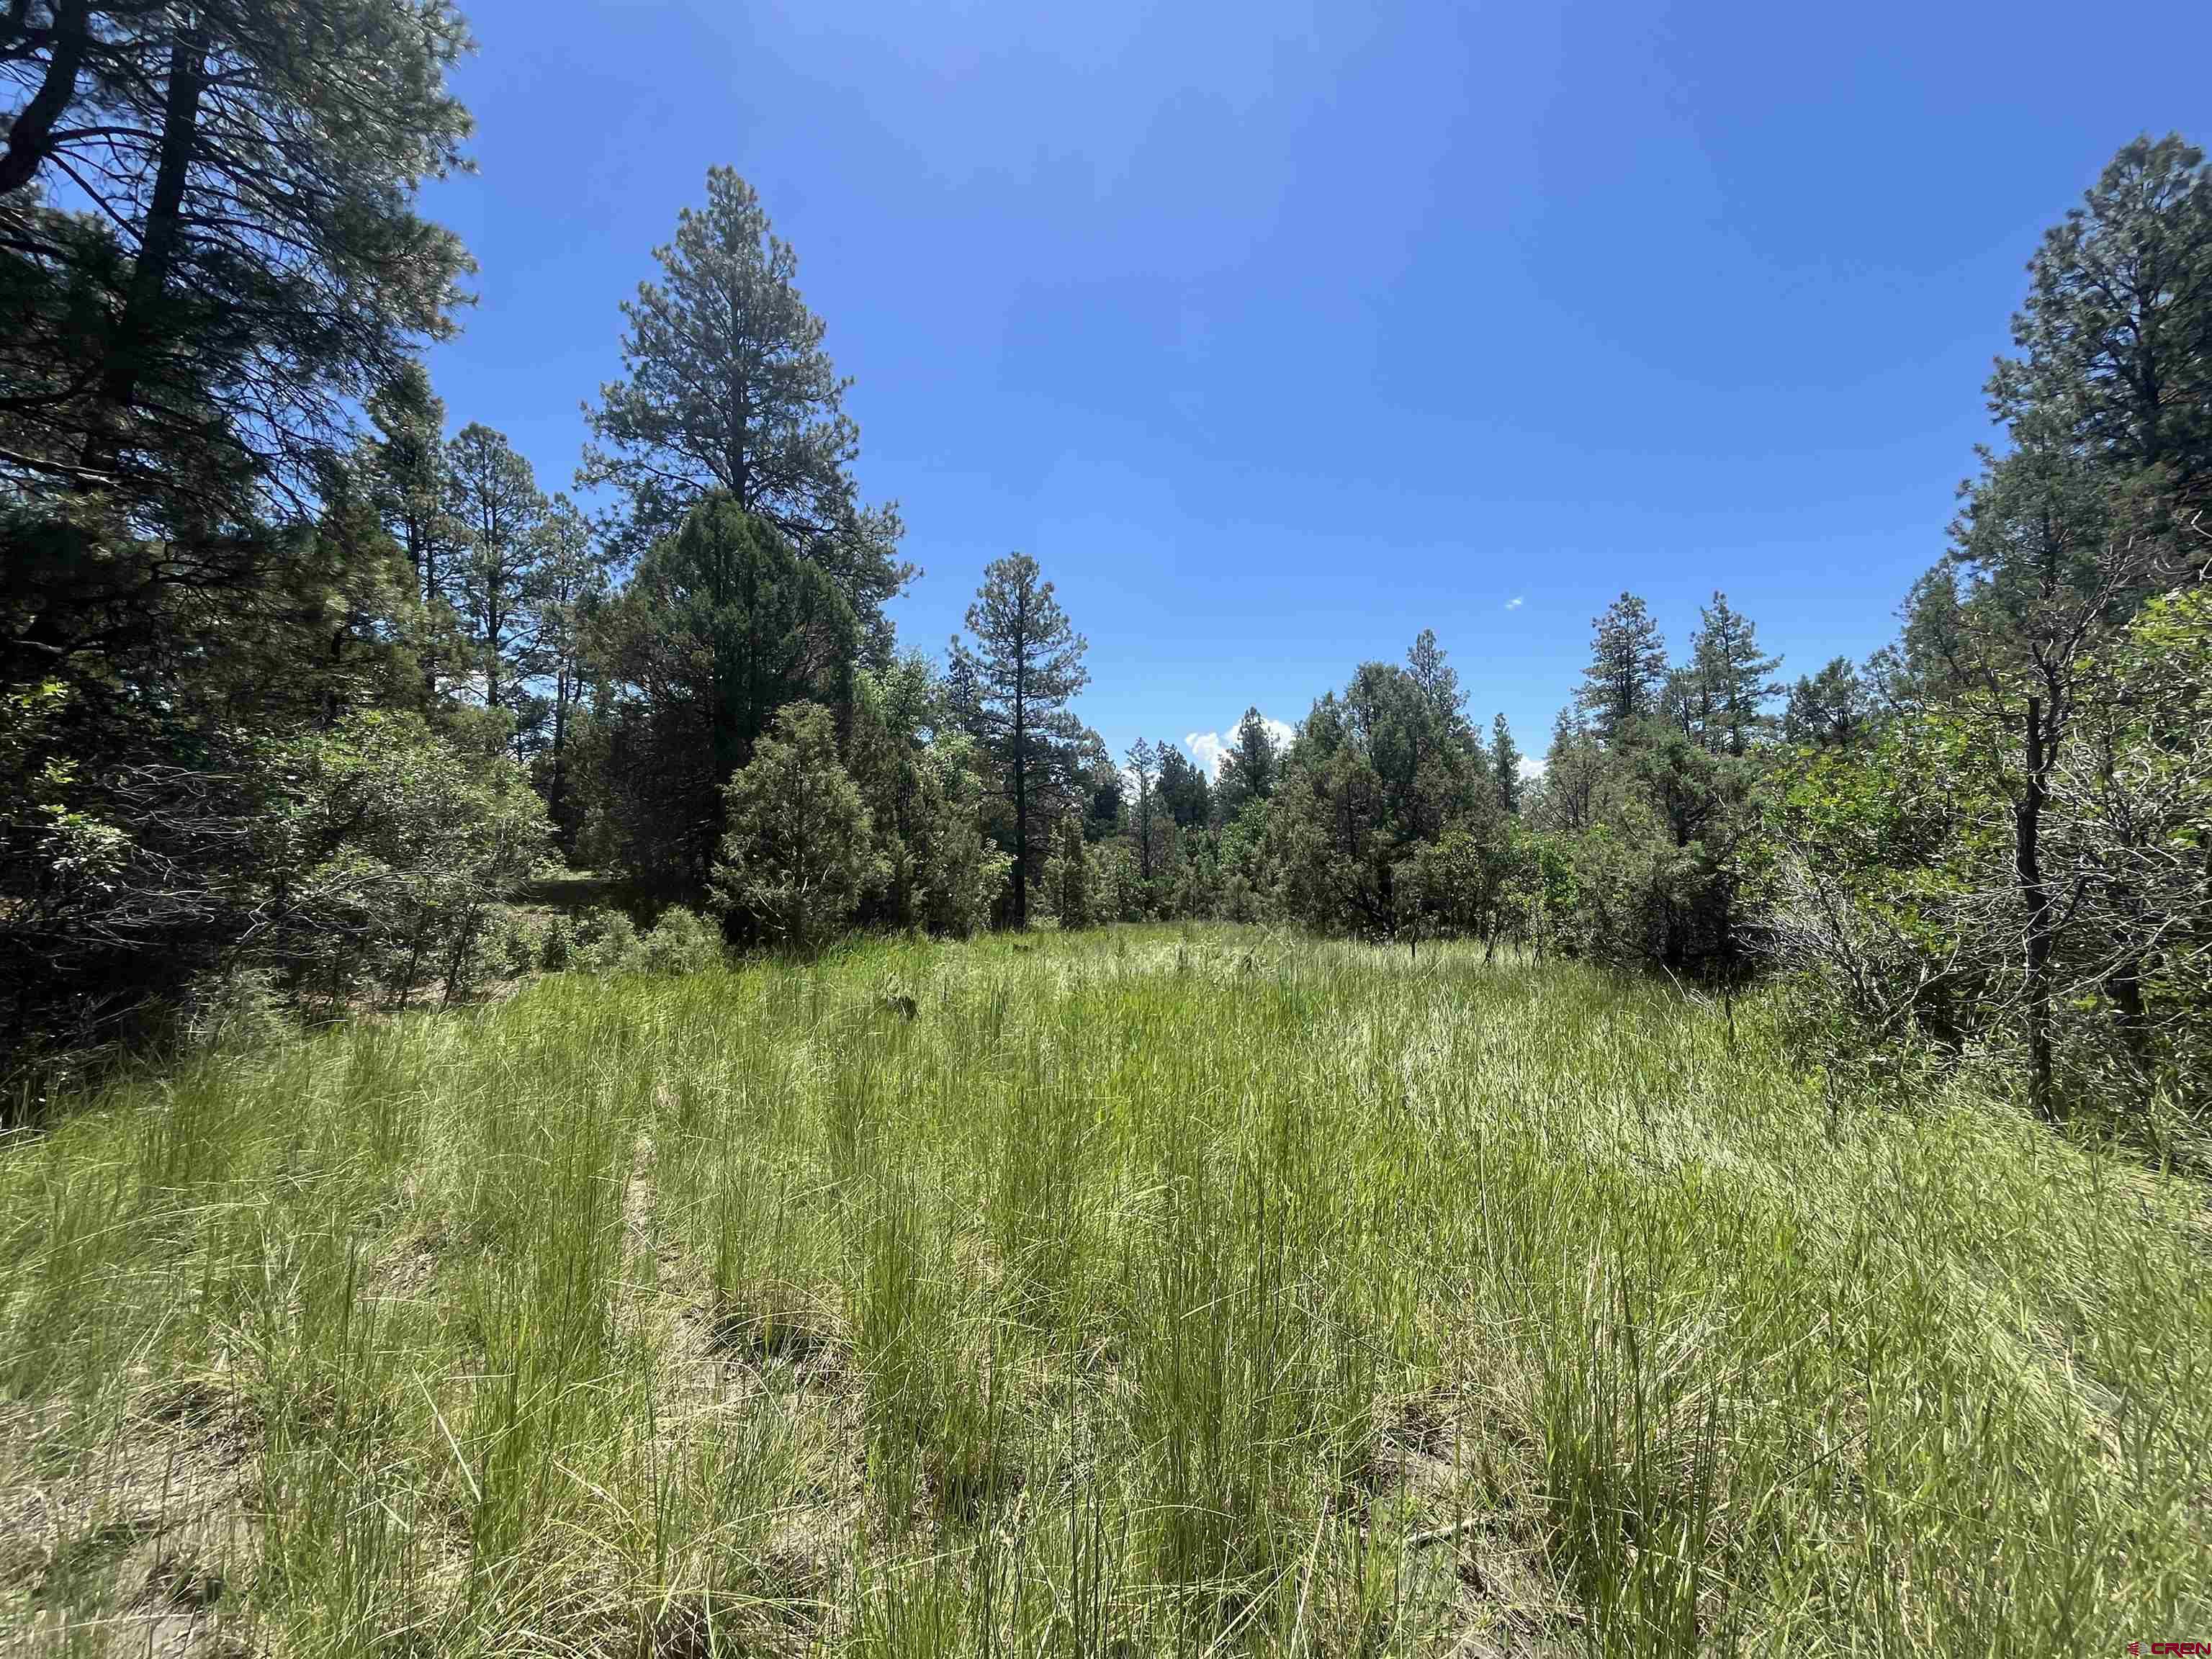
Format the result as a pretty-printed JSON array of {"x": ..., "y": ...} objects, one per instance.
[
  {"x": 2115, "y": 336},
  {"x": 1026, "y": 665},
  {"x": 1143, "y": 760},
  {"x": 1627, "y": 670},
  {"x": 1182, "y": 790},
  {"x": 1998, "y": 771},
  {"x": 1505, "y": 764},
  {"x": 1828, "y": 710},
  {"x": 1102, "y": 802},
  {"x": 1068, "y": 876},
  {"x": 1371, "y": 778},
  {"x": 1249, "y": 768},
  {"x": 1437, "y": 681},
  {"x": 406, "y": 465},
  {"x": 573, "y": 576},
  {"x": 1735, "y": 681},
  {"x": 211, "y": 259},
  {"x": 728, "y": 389},
  {"x": 959, "y": 875},
  {"x": 1330, "y": 831},
  {"x": 798, "y": 853},
  {"x": 721, "y": 625},
  {"x": 492, "y": 496},
  {"x": 1574, "y": 776},
  {"x": 249, "y": 260}
]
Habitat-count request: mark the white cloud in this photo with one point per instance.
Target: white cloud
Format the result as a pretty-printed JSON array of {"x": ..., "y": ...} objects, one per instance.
[
  {"x": 1207, "y": 748},
  {"x": 1515, "y": 602},
  {"x": 1532, "y": 767}
]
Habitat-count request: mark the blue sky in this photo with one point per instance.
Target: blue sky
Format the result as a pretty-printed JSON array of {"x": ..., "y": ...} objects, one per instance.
[{"x": 1277, "y": 332}]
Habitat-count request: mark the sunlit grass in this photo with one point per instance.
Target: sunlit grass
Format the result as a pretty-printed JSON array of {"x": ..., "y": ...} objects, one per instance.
[{"x": 1147, "y": 1291}]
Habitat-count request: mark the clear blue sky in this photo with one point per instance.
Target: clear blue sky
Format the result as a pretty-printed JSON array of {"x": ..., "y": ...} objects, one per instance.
[{"x": 1276, "y": 333}]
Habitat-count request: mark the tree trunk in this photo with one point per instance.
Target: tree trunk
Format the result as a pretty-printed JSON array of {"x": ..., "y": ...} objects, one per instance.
[
  {"x": 157, "y": 247},
  {"x": 557, "y": 782},
  {"x": 1021, "y": 780},
  {"x": 1021, "y": 827},
  {"x": 2035, "y": 895},
  {"x": 27, "y": 138}
]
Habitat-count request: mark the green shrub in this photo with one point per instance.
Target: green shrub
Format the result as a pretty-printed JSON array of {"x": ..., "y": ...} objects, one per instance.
[
  {"x": 515, "y": 947},
  {"x": 1068, "y": 876},
  {"x": 614, "y": 948},
  {"x": 798, "y": 852},
  {"x": 681, "y": 942}
]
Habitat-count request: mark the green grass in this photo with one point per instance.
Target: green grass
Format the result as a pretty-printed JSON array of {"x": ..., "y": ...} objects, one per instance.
[{"x": 1150, "y": 1292}]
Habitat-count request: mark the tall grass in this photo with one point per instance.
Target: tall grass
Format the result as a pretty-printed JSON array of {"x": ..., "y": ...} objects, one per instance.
[{"x": 1154, "y": 1291}]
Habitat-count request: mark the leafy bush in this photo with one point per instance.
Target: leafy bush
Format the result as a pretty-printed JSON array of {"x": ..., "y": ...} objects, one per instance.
[
  {"x": 614, "y": 948},
  {"x": 1889, "y": 878},
  {"x": 362, "y": 858},
  {"x": 514, "y": 946},
  {"x": 401, "y": 845},
  {"x": 558, "y": 947},
  {"x": 681, "y": 942}
]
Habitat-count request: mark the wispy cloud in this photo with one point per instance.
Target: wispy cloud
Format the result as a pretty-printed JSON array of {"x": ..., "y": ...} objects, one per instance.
[{"x": 1515, "y": 602}]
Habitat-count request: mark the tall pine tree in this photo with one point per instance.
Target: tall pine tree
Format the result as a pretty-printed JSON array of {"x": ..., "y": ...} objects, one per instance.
[
  {"x": 571, "y": 580},
  {"x": 1249, "y": 770},
  {"x": 492, "y": 496},
  {"x": 1736, "y": 680},
  {"x": 2116, "y": 338},
  {"x": 1026, "y": 665},
  {"x": 728, "y": 388},
  {"x": 1627, "y": 670},
  {"x": 1505, "y": 764}
]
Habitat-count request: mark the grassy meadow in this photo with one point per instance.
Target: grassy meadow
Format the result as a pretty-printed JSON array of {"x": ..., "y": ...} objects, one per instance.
[{"x": 1155, "y": 1290}]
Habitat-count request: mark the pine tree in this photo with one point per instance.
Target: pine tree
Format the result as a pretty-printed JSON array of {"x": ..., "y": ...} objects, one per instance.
[
  {"x": 1627, "y": 670},
  {"x": 1183, "y": 792},
  {"x": 1143, "y": 762},
  {"x": 572, "y": 577},
  {"x": 1027, "y": 664},
  {"x": 246, "y": 253},
  {"x": 959, "y": 874},
  {"x": 1505, "y": 764},
  {"x": 1249, "y": 769},
  {"x": 798, "y": 853},
  {"x": 1068, "y": 876},
  {"x": 728, "y": 388},
  {"x": 492, "y": 496},
  {"x": 2116, "y": 336},
  {"x": 406, "y": 465},
  {"x": 1734, "y": 681},
  {"x": 1828, "y": 710},
  {"x": 1437, "y": 679},
  {"x": 719, "y": 626}
]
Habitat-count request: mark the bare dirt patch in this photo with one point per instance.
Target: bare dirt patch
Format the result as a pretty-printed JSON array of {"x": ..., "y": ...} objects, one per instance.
[{"x": 140, "y": 1530}]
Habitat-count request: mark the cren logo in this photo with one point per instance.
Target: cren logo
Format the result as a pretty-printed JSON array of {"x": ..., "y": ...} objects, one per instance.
[{"x": 2178, "y": 1649}]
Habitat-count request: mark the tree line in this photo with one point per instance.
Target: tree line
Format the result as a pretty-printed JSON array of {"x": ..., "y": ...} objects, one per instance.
[{"x": 301, "y": 680}]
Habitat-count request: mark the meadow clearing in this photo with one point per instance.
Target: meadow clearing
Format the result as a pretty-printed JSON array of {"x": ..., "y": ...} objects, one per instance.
[{"x": 1192, "y": 1290}]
